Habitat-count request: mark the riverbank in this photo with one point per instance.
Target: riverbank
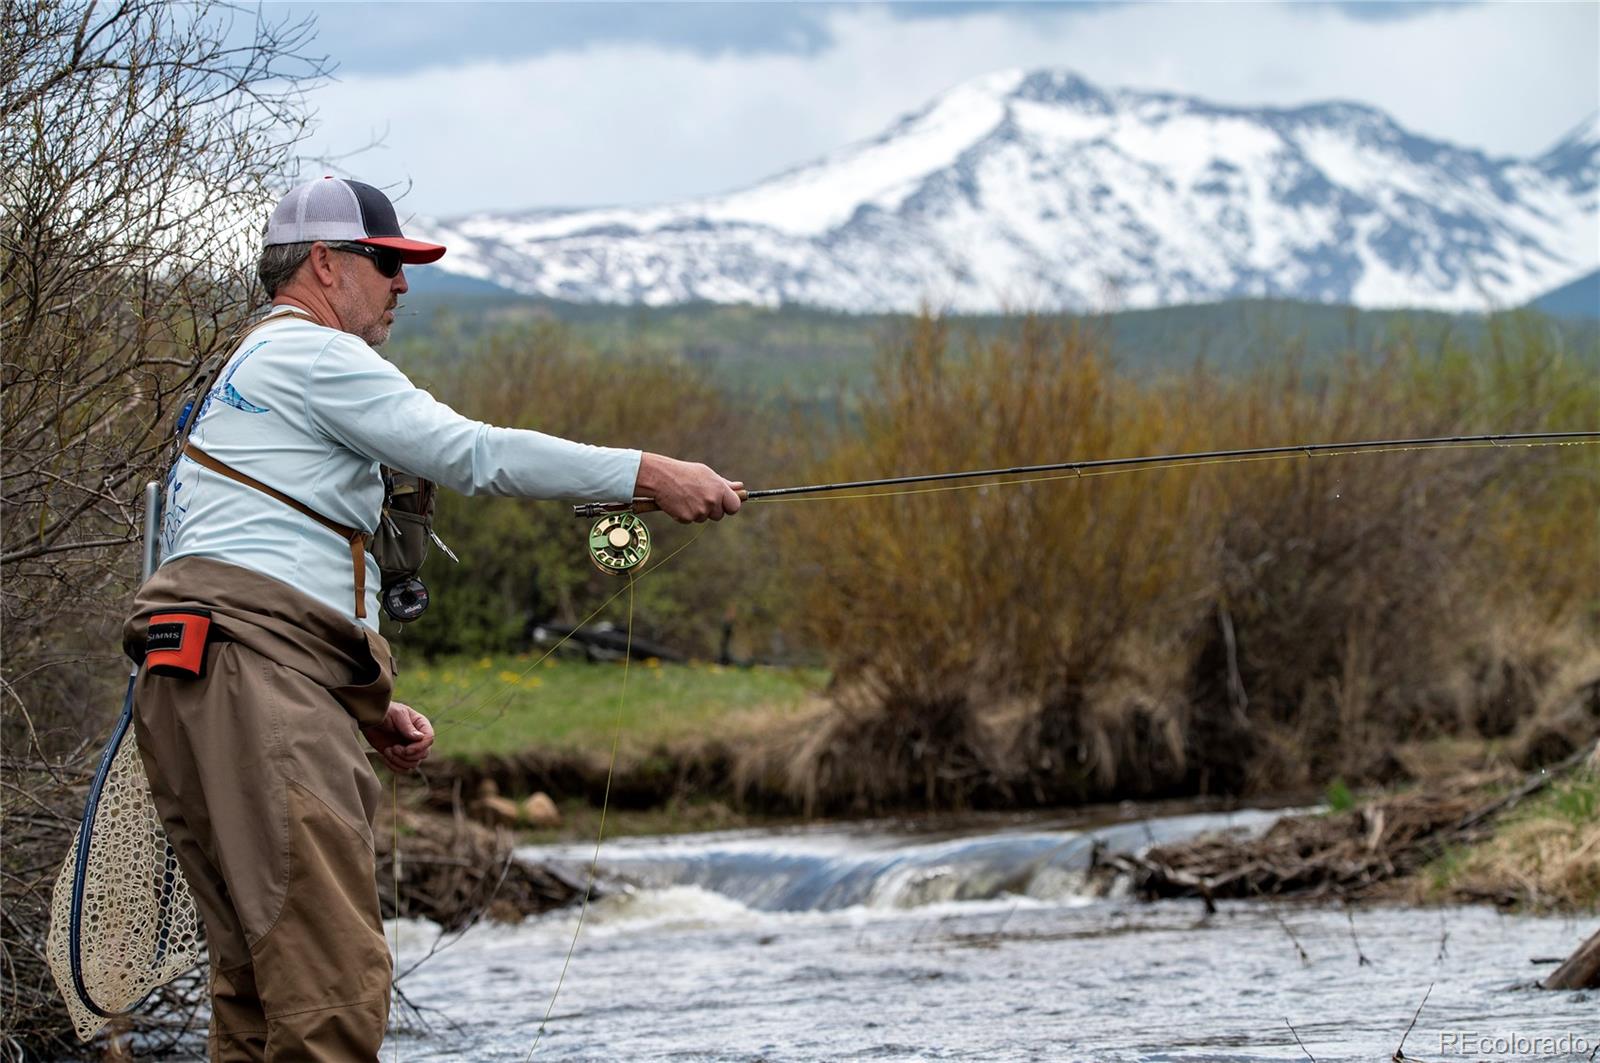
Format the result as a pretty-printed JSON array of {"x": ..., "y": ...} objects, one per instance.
[{"x": 702, "y": 747}]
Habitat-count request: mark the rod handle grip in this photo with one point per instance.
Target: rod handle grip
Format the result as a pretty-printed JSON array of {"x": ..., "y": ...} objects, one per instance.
[
  {"x": 638, "y": 505},
  {"x": 648, "y": 505}
]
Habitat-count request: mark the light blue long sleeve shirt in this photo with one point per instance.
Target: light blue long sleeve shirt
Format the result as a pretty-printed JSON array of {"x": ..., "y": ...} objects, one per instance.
[{"x": 313, "y": 412}]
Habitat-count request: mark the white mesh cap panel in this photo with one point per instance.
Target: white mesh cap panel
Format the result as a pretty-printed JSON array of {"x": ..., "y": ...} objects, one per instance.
[{"x": 317, "y": 210}]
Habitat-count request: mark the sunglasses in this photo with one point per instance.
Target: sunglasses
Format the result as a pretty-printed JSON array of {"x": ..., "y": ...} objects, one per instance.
[{"x": 387, "y": 259}]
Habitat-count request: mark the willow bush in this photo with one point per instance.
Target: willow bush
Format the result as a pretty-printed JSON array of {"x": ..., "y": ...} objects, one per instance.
[{"x": 1224, "y": 627}]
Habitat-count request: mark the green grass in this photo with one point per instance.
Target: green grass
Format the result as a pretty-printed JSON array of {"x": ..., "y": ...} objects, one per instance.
[
  {"x": 510, "y": 704},
  {"x": 580, "y": 821},
  {"x": 1578, "y": 800},
  {"x": 1338, "y": 796}
]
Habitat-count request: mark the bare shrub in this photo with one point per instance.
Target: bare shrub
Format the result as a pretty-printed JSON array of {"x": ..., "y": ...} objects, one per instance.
[
  {"x": 138, "y": 144},
  {"x": 1373, "y": 601}
]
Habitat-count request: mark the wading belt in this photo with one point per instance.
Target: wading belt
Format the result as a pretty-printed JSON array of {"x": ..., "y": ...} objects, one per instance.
[{"x": 356, "y": 538}]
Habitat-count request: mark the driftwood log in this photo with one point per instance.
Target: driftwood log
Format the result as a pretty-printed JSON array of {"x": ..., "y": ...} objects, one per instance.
[
  {"x": 1344, "y": 855},
  {"x": 1581, "y": 971}
]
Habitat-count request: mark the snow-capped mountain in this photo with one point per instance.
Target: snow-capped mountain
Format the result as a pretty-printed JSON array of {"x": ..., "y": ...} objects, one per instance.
[{"x": 1042, "y": 191}]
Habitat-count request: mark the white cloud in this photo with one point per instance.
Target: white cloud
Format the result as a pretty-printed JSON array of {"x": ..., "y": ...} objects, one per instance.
[{"x": 632, "y": 123}]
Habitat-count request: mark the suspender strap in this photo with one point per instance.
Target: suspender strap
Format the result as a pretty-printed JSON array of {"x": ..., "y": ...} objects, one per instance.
[{"x": 356, "y": 538}]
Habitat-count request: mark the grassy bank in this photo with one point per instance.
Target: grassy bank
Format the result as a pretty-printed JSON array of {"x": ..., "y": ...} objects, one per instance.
[
  {"x": 510, "y": 704},
  {"x": 697, "y": 744},
  {"x": 1544, "y": 855}
]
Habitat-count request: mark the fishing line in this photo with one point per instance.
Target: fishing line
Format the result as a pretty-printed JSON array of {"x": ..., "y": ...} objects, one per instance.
[
  {"x": 605, "y": 803},
  {"x": 394, "y": 869},
  {"x": 477, "y": 709}
]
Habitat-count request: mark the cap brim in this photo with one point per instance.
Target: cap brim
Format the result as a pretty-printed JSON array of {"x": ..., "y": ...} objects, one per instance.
[{"x": 412, "y": 252}]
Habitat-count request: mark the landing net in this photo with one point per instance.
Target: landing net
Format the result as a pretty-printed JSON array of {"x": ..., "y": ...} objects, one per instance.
[{"x": 122, "y": 920}]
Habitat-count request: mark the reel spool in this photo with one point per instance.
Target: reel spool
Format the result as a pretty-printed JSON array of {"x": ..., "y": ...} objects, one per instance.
[
  {"x": 405, "y": 601},
  {"x": 619, "y": 543}
]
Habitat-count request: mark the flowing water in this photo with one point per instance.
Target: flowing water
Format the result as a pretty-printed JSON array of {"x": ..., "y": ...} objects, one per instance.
[{"x": 975, "y": 941}]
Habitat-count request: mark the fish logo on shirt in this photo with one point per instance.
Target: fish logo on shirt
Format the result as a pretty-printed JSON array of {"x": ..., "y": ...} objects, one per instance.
[
  {"x": 172, "y": 513},
  {"x": 229, "y": 395}
]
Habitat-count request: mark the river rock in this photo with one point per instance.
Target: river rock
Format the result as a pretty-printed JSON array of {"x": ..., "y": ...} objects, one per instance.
[
  {"x": 493, "y": 809},
  {"x": 540, "y": 811}
]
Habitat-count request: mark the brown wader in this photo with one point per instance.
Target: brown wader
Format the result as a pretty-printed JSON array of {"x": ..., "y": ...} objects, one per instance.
[{"x": 260, "y": 775}]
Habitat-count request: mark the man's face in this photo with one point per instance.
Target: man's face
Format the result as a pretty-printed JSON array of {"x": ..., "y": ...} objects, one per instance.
[{"x": 363, "y": 297}]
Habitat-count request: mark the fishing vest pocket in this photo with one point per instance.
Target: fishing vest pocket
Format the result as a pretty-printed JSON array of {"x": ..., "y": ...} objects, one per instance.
[
  {"x": 400, "y": 545},
  {"x": 175, "y": 643}
]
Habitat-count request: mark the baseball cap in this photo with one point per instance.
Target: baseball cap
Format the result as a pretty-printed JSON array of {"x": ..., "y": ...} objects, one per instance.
[{"x": 336, "y": 209}]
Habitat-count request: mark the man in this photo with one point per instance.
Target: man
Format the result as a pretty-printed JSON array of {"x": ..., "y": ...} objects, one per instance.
[{"x": 259, "y": 630}]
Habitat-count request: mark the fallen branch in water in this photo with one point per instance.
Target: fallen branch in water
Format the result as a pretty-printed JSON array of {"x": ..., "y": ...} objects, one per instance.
[
  {"x": 1400, "y": 1049},
  {"x": 1580, "y": 971}
]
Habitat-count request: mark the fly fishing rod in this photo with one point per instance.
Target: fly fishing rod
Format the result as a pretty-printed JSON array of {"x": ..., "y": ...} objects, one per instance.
[{"x": 620, "y": 541}]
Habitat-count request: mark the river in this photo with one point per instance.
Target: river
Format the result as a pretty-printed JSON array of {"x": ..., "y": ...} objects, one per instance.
[{"x": 974, "y": 940}]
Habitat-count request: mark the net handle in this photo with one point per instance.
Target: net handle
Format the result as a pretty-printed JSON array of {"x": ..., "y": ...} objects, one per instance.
[{"x": 80, "y": 871}]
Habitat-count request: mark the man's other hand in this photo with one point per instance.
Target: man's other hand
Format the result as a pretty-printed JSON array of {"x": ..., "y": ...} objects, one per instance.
[
  {"x": 402, "y": 739},
  {"x": 686, "y": 490}
]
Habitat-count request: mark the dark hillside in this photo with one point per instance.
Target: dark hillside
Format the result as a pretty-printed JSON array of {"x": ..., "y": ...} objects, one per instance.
[
  {"x": 812, "y": 354},
  {"x": 1579, "y": 300}
]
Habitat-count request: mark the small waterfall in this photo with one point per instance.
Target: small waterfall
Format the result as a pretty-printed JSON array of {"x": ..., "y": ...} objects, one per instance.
[{"x": 827, "y": 869}]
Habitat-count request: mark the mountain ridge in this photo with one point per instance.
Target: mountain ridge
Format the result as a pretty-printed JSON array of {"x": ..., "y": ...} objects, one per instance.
[{"x": 1040, "y": 190}]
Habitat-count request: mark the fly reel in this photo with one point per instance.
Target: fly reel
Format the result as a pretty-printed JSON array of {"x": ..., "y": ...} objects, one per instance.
[{"x": 619, "y": 543}]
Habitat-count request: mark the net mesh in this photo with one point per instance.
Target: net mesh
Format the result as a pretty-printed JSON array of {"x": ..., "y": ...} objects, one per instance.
[{"x": 137, "y": 925}]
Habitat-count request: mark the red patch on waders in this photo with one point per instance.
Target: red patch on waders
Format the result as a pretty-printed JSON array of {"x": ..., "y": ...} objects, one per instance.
[{"x": 175, "y": 643}]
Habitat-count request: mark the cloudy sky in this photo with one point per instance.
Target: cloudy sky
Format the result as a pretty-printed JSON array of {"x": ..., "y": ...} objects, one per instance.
[{"x": 509, "y": 106}]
